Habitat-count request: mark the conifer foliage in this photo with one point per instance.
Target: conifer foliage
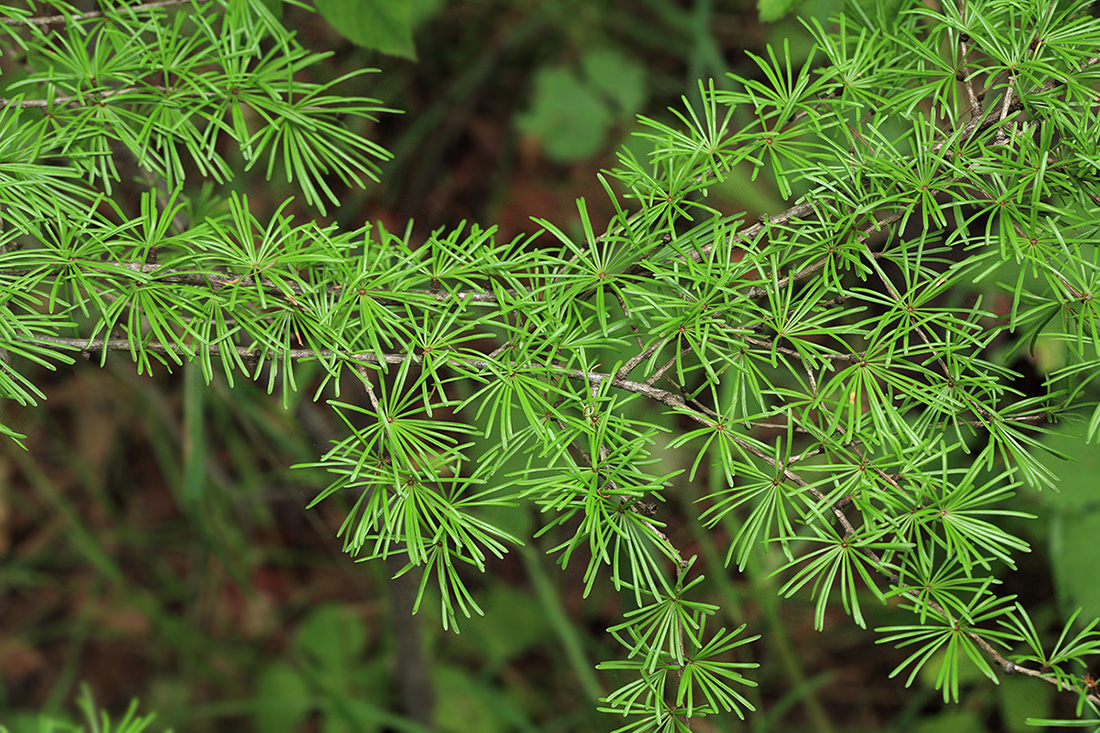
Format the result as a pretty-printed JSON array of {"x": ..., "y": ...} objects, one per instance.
[{"x": 845, "y": 373}]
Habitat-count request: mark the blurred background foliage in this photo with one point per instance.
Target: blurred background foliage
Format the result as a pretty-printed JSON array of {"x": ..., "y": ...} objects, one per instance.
[{"x": 154, "y": 541}]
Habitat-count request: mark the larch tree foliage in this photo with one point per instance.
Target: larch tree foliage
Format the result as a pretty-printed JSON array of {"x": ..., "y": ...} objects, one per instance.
[{"x": 841, "y": 377}]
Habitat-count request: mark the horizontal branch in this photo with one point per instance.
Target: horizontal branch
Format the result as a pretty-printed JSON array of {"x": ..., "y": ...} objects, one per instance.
[
  {"x": 47, "y": 20},
  {"x": 71, "y": 98},
  {"x": 595, "y": 379}
]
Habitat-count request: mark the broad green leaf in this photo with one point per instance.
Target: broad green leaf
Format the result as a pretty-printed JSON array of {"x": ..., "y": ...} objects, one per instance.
[
  {"x": 566, "y": 115},
  {"x": 618, "y": 77},
  {"x": 1076, "y": 576},
  {"x": 773, "y": 10},
  {"x": 283, "y": 699},
  {"x": 331, "y": 634},
  {"x": 382, "y": 25}
]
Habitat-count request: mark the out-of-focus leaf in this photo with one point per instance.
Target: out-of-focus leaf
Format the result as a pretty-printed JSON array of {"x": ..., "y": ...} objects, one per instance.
[
  {"x": 382, "y": 25},
  {"x": 284, "y": 699},
  {"x": 773, "y": 10},
  {"x": 618, "y": 77},
  {"x": 964, "y": 721},
  {"x": 1020, "y": 699},
  {"x": 332, "y": 634},
  {"x": 566, "y": 115},
  {"x": 1077, "y": 489},
  {"x": 1076, "y": 574}
]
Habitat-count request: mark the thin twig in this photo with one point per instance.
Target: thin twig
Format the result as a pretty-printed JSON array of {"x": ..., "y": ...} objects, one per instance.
[
  {"x": 46, "y": 20},
  {"x": 94, "y": 95}
]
